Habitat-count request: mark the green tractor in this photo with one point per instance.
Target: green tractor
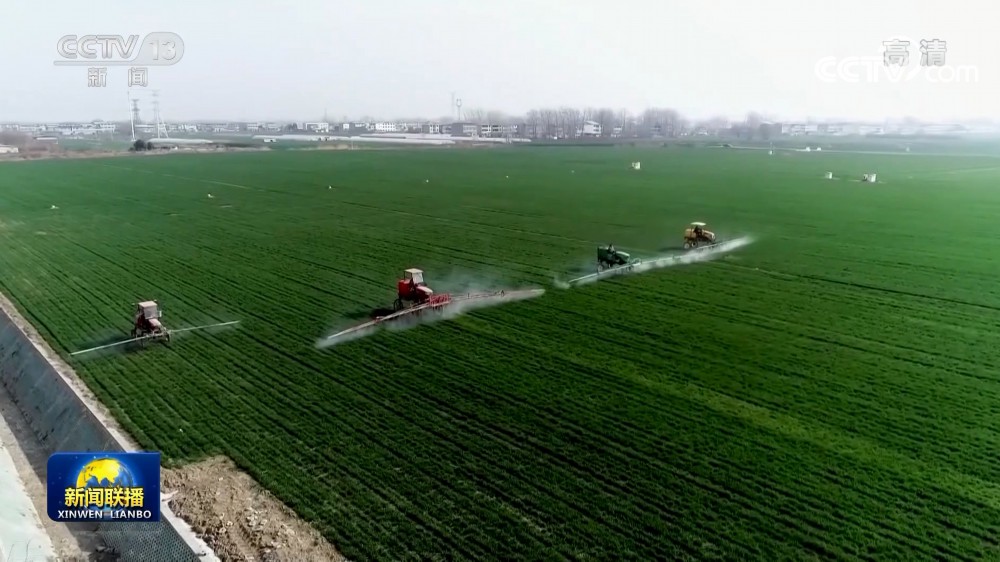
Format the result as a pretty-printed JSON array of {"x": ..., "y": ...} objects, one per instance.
[{"x": 608, "y": 258}]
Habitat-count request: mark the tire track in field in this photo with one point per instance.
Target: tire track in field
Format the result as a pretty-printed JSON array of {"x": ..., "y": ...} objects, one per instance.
[
  {"x": 855, "y": 284},
  {"x": 727, "y": 317},
  {"x": 203, "y": 180},
  {"x": 761, "y": 321},
  {"x": 651, "y": 366},
  {"x": 911, "y": 426},
  {"x": 464, "y": 222},
  {"x": 643, "y": 459},
  {"x": 382, "y": 210},
  {"x": 959, "y": 171},
  {"x": 913, "y": 351},
  {"x": 582, "y": 365},
  {"x": 974, "y": 488},
  {"x": 961, "y": 365},
  {"x": 419, "y": 422},
  {"x": 516, "y": 439}
]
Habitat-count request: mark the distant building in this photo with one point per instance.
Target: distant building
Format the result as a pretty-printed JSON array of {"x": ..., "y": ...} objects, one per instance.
[
  {"x": 464, "y": 129},
  {"x": 431, "y": 129},
  {"x": 7, "y": 149},
  {"x": 491, "y": 130},
  {"x": 319, "y": 127},
  {"x": 591, "y": 129},
  {"x": 799, "y": 129}
]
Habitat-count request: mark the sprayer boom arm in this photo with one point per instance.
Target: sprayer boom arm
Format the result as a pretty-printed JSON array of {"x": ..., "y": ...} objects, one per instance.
[
  {"x": 454, "y": 299},
  {"x": 150, "y": 336}
]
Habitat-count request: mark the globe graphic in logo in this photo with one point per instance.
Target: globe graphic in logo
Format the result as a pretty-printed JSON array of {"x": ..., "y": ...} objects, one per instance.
[{"x": 104, "y": 473}]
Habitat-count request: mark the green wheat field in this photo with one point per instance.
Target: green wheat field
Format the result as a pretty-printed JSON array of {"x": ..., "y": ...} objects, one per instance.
[{"x": 830, "y": 391}]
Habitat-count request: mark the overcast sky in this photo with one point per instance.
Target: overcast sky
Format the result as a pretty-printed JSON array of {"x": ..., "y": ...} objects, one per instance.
[{"x": 262, "y": 59}]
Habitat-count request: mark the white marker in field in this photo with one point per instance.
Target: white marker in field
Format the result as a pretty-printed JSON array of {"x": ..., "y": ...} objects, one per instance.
[
  {"x": 829, "y": 175},
  {"x": 210, "y": 196},
  {"x": 636, "y": 165}
]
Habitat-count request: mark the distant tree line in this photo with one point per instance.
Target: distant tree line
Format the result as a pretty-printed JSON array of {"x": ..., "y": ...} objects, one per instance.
[
  {"x": 652, "y": 122},
  {"x": 568, "y": 122}
]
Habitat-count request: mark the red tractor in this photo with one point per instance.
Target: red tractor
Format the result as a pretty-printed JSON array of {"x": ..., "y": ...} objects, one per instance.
[
  {"x": 146, "y": 322},
  {"x": 412, "y": 291}
]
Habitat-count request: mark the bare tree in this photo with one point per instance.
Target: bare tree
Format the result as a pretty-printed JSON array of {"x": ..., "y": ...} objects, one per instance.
[
  {"x": 646, "y": 123},
  {"x": 570, "y": 121},
  {"x": 475, "y": 115},
  {"x": 605, "y": 117},
  {"x": 497, "y": 118},
  {"x": 550, "y": 121},
  {"x": 627, "y": 123},
  {"x": 716, "y": 125},
  {"x": 533, "y": 121},
  {"x": 751, "y": 124}
]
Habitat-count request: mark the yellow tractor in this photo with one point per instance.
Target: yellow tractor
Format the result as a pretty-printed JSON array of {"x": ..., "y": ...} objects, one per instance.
[{"x": 696, "y": 236}]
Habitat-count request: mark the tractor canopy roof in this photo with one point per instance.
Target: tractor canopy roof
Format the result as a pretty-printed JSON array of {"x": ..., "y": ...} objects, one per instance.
[
  {"x": 698, "y": 224},
  {"x": 415, "y": 274},
  {"x": 149, "y": 309}
]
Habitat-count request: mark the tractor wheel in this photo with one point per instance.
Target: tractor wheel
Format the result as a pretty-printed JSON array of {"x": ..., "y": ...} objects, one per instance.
[
  {"x": 687, "y": 246},
  {"x": 397, "y": 305},
  {"x": 166, "y": 337}
]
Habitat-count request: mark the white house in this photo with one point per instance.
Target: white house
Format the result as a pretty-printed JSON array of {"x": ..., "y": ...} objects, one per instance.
[
  {"x": 7, "y": 149},
  {"x": 464, "y": 129},
  {"x": 799, "y": 129},
  {"x": 591, "y": 129},
  {"x": 493, "y": 130},
  {"x": 317, "y": 127}
]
